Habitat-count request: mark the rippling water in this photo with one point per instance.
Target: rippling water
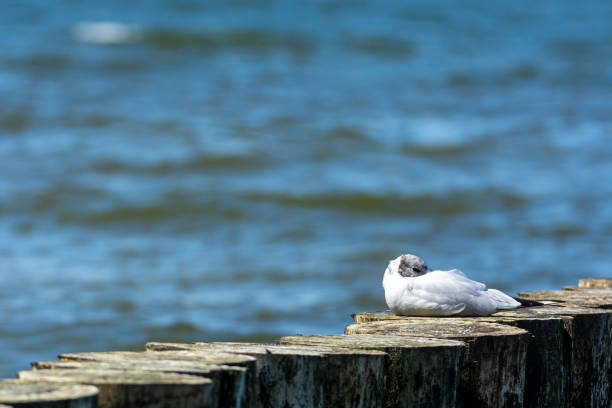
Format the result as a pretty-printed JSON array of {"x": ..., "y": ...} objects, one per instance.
[{"x": 244, "y": 170}]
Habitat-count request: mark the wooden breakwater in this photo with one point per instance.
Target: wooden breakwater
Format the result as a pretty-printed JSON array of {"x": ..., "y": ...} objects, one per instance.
[{"x": 547, "y": 356}]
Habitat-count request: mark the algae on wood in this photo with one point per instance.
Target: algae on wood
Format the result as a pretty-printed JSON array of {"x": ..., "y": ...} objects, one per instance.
[
  {"x": 493, "y": 368},
  {"x": 126, "y": 389},
  {"x": 228, "y": 382},
  {"x": 226, "y": 391},
  {"x": 300, "y": 376},
  {"x": 43, "y": 394},
  {"x": 418, "y": 371}
]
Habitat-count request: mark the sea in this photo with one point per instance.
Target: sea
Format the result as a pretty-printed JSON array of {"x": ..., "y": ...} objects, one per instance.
[{"x": 182, "y": 170}]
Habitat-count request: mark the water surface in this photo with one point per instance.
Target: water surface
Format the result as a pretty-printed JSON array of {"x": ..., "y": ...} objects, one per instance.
[{"x": 245, "y": 170}]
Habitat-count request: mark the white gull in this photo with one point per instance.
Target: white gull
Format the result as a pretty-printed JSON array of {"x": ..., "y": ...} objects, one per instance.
[{"x": 411, "y": 289}]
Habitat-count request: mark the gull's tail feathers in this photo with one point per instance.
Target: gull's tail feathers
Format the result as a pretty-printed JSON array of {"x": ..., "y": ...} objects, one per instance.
[
  {"x": 502, "y": 300},
  {"x": 532, "y": 303}
]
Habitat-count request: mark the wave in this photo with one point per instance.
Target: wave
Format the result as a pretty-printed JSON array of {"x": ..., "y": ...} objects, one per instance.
[
  {"x": 16, "y": 121},
  {"x": 156, "y": 212},
  {"x": 238, "y": 38},
  {"x": 227, "y": 163},
  {"x": 380, "y": 46},
  {"x": 450, "y": 203},
  {"x": 173, "y": 39},
  {"x": 97, "y": 206},
  {"x": 106, "y": 32}
]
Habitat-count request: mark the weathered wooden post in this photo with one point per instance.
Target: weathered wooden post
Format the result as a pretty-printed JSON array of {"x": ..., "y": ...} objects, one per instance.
[
  {"x": 587, "y": 352},
  {"x": 589, "y": 331},
  {"x": 545, "y": 372},
  {"x": 132, "y": 389},
  {"x": 601, "y": 283},
  {"x": 569, "y": 352},
  {"x": 493, "y": 368},
  {"x": 227, "y": 381},
  {"x": 418, "y": 371},
  {"x": 231, "y": 389},
  {"x": 21, "y": 394},
  {"x": 300, "y": 376},
  {"x": 595, "y": 298}
]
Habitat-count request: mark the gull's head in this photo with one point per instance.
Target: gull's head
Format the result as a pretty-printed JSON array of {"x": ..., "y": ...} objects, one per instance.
[{"x": 408, "y": 265}]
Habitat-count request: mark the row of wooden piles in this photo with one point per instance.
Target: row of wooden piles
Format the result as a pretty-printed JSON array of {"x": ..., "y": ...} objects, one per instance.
[{"x": 549, "y": 356}]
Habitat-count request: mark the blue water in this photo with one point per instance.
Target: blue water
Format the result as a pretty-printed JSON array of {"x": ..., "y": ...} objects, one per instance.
[{"x": 245, "y": 170}]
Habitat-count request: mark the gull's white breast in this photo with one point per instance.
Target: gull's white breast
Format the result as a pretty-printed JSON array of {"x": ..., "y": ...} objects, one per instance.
[{"x": 443, "y": 293}]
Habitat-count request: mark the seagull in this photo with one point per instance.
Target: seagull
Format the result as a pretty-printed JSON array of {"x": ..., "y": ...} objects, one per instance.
[{"x": 412, "y": 289}]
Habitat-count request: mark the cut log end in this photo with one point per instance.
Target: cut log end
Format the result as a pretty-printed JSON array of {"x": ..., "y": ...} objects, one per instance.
[
  {"x": 98, "y": 376},
  {"x": 187, "y": 355},
  {"x": 367, "y": 341},
  {"x": 585, "y": 297},
  {"x": 447, "y": 328},
  {"x": 292, "y": 375},
  {"x": 599, "y": 283},
  {"x": 121, "y": 388},
  {"x": 17, "y": 392},
  {"x": 486, "y": 380}
]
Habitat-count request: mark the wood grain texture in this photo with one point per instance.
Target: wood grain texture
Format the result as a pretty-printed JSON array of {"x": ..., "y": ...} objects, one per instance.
[
  {"x": 587, "y": 353},
  {"x": 224, "y": 393},
  {"x": 228, "y": 382},
  {"x": 43, "y": 394},
  {"x": 597, "y": 298},
  {"x": 298, "y": 376},
  {"x": 545, "y": 371},
  {"x": 418, "y": 371},
  {"x": 127, "y": 389},
  {"x": 569, "y": 355},
  {"x": 600, "y": 283},
  {"x": 493, "y": 367}
]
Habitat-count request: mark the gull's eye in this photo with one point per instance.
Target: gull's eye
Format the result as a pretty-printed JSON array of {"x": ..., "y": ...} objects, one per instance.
[{"x": 416, "y": 270}]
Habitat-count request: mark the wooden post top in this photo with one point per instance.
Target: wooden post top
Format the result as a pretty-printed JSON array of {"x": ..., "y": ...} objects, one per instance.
[
  {"x": 538, "y": 312},
  {"x": 368, "y": 341},
  {"x": 436, "y": 327},
  {"x": 19, "y": 392},
  {"x": 169, "y": 366},
  {"x": 585, "y": 297},
  {"x": 254, "y": 349},
  {"x": 186, "y": 355},
  {"x": 600, "y": 283},
  {"x": 110, "y": 376}
]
